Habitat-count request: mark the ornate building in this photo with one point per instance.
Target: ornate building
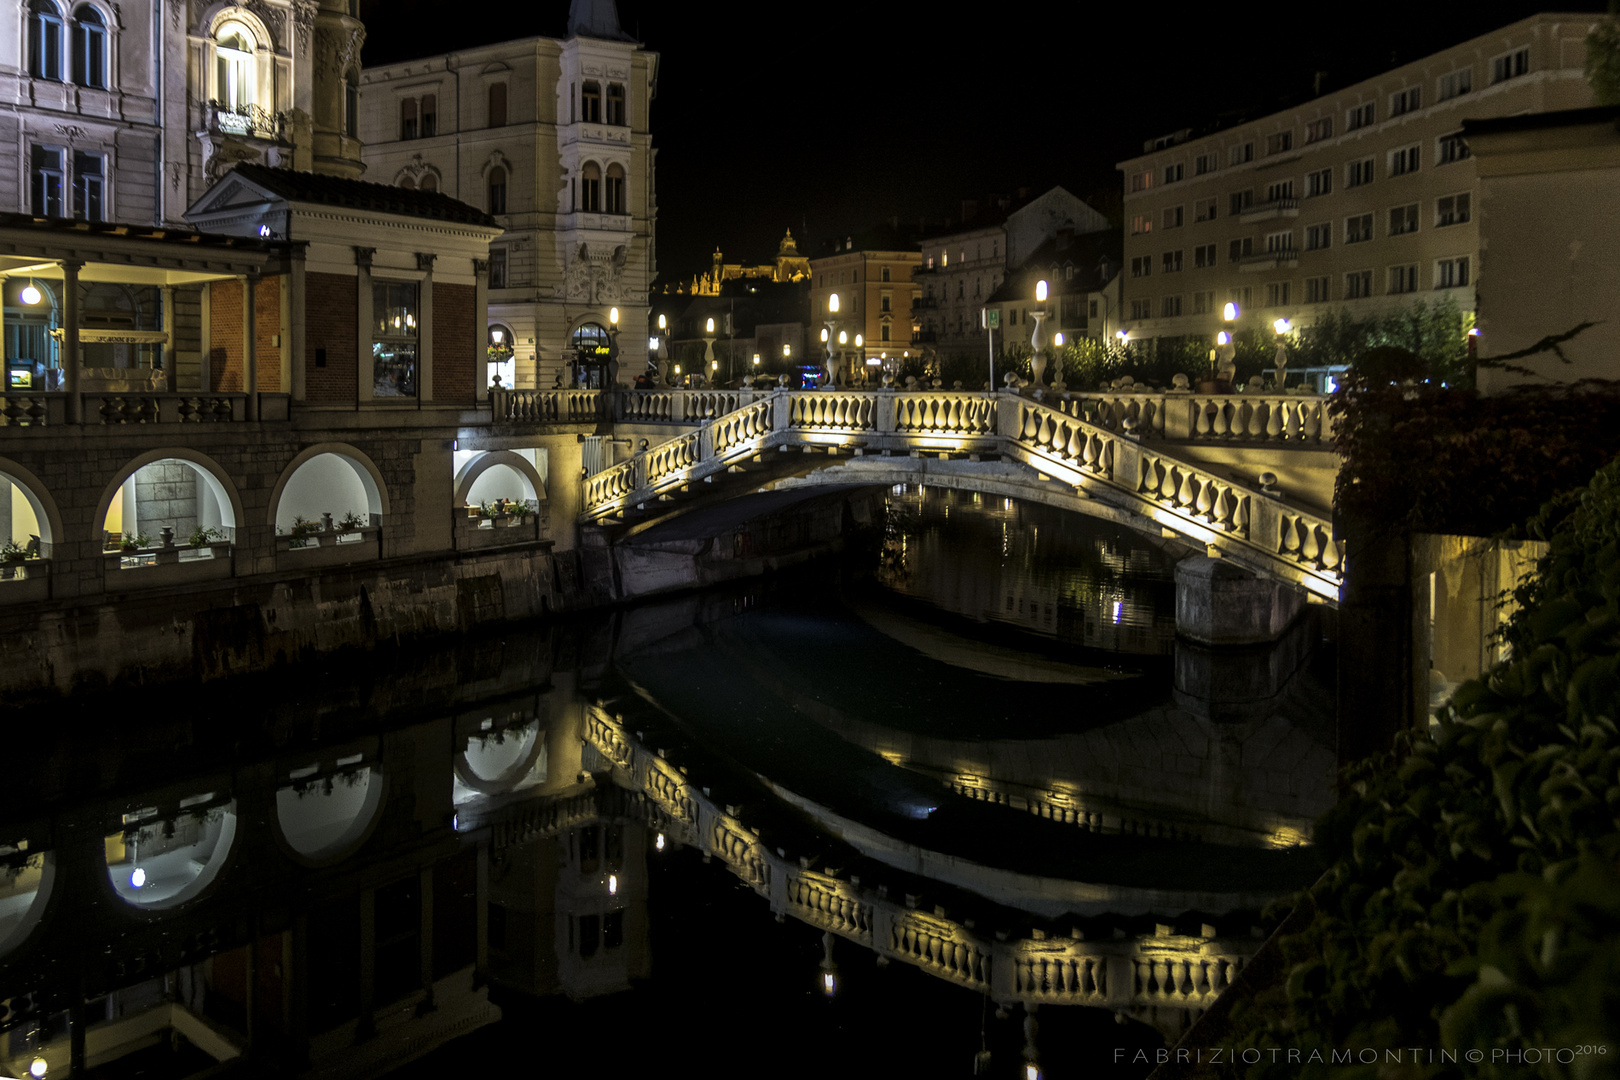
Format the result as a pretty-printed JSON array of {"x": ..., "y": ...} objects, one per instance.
[
  {"x": 128, "y": 112},
  {"x": 552, "y": 138},
  {"x": 788, "y": 266}
]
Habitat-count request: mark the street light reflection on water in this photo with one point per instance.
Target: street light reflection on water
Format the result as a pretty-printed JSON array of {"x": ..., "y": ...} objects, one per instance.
[{"x": 465, "y": 842}]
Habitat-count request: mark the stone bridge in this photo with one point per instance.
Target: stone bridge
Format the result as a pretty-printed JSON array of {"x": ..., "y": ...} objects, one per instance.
[
  {"x": 1193, "y": 465},
  {"x": 1166, "y": 980}
]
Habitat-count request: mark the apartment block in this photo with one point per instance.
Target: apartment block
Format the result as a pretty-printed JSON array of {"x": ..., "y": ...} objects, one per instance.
[{"x": 1365, "y": 199}]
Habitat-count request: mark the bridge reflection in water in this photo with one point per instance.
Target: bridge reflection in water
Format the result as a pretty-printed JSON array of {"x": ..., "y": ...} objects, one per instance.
[{"x": 337, "y": 880}]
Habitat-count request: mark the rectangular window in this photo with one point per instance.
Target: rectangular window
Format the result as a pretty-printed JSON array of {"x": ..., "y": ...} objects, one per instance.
[
  {"x": 1318, "y": 237},
  {"x": 1172, "y": 217},
  {"x": 1403, "y": 220},
  {"x": 1206, "y": 163},
  {"x": 1240, "y": 154},
  {"x": 45, "y": 174},
  {"x": 1141, "y": 309},
  {"x": 1358, "y": 228},
  {"x": 1142, "y": 181},
  {"x": 1358, "y": 285},
  {"x": 1170, "y": 307},
  {"x": 430, "y": 116},
  {"x": 1316, "y": 290},
  {"x": 1280, "y": 143},
  {"x": 1359, "y": 117},
  {"x": 1451, "y": 273},
  {"x": 1204, "y": 256},
  {"x": 1403, "y": 161},
  {"x": 1408, "y": 100},
  {"x": 1240, "y": 201},
  {"x": 1243, "y": 298},
  {"x": 497, "y": 268},
  {"x": 1280, "y": 241},
  {"x": 1358, "y": 173},
  {"x": 1171, "y": 262},
  {"x": 394, "y": 339},
  {"x": 1319, "y": 183},
  {"x": 615, "y": 104},
  {"x": 1141, "y": 223},
  {"x": 1511, "y": 66},
  {"x": 1318, "y": 130},
  {"x": 1451, "y": 148},
  {"x": 89, "y": 187},
  {"x": 1283, "y": 189},
  {"x": 1173, "y": 173},
  {"x": 1402, "y": 279},
  {"x": 1452, "y": 209},
  {"x": 1240, "y": 249},
  {"x": 1141, "y": 265},
  {"x": 1457, "y": 83},
  {"x": 1203, "y": 303},
  {"x": 1204, "y": 210},
  {"x": 1277, "y": 294}
]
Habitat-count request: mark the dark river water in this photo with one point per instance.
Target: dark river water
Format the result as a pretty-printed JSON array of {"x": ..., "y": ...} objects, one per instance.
[{"x": 588, "y": 845}]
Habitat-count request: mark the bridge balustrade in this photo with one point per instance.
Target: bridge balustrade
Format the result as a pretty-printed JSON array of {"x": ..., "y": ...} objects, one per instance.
[{"x": 51, "y": 410}]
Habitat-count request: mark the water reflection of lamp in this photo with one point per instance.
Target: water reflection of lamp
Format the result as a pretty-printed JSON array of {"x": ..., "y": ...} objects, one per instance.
[
  {"x": 137, "y": 879},
  {"x": 829, "y": 970},
  {"x": 659, "y": 843},
  {"x": 37, "y": 1068},
  {"x": 613, "y": 884}
]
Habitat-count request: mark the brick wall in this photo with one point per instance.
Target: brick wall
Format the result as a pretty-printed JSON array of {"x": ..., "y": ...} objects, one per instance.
[
  {"x": 225, "y": 334},
  {"x": 455, "y": 342},
  {"x": 330, "y": 301}
]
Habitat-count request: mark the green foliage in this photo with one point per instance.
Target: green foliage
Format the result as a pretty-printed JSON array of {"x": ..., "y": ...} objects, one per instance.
[
  {"x": 133, "y": 541},
  {"x": 354, "y": 520},
  {"x": 1436, "y": 459},
  {"x": 1603, "y": 60},
  {"x": 12, "y": 551},
  {"x": 204, "y": 536},
  {"x": 1473, "y": 897}
]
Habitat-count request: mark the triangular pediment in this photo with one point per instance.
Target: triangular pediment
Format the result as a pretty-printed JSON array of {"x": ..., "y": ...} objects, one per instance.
[{"x": 232, "y": 192}]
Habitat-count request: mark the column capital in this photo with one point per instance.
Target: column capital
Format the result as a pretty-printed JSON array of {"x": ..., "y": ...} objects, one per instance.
[
  {"x": 74, "y": 265},
  {"x": 481, "y": 267},
  {"x": 362, "y": 256},
  {"x": 424, "y": 261}
]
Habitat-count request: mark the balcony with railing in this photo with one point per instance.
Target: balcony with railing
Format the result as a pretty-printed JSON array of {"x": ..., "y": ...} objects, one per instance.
[
  {"x": 1285, "y": 258},
  {"x": 1272, "y": 209},
  {"x": 246, "y": 120}
]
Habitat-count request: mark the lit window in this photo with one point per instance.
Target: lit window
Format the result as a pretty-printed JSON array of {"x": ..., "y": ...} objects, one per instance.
[
  {"x": 394, "y": 339},
  {"x": 233, "y": 68}
]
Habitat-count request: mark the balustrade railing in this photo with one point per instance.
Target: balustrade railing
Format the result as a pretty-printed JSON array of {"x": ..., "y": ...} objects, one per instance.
[
  {"x": 546, "y": 406},
  {"x": 945, "y": 412},
  {"x": 107, "y": 408},
  {"x": 1297, "y": 419},
  {"x": 833, "y": 410}
]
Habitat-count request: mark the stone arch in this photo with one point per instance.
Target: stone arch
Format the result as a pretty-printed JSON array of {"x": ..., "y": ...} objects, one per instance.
[
  {"x": 326, "y": 813},
  {"x": 190, "y": 853},
  {"x": 481, "y": 464},
  {"x": 217, "y": 480},
  {"x": 496, "y": 160},
  {"x": 216, "y": 15},
  {"x": 365, "y": 471},
  {"x": 39, "y": 501},
  {"x": 24, "y": 898},
  {"x": 487, "y": 769}
]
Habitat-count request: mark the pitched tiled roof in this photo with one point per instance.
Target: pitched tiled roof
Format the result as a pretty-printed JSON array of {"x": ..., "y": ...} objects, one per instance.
[{"x": 362, "y": 195}]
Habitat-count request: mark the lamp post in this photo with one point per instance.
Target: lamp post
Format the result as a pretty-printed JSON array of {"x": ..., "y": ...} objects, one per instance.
[
  {"x": 1282, "y": 326},
  {"x": 708, "y": 347},
  {"x": 663, "y": 347},
  {"x": 828, "y": 336},
  {"x": 611, "y": 368},
  {"x": 1057, "y": 363},
  {"x": 1037, "y": 361}
]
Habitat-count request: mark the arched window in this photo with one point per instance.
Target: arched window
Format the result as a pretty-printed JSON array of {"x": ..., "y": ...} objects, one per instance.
[
  {"x": 497, "y": 104},
  {"x": 615, "y": 189},
  {"x": 44, "y": 40},
  {"x": 590, "y": 188},
  {"x": 407, "y": 119},
  {"x": 429, "y": 182},
  {"x": 590, "y": 103},
  {"x": 615, "y": 104},
  {"x": 233, "y": 68},
  {"x": 89, "y": 48},
  {"x": 407, "y": 183},
  {"x": 497, "y": 190}
]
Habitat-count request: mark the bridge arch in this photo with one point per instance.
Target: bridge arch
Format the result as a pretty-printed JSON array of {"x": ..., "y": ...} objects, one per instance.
[
  {"x": 24, "y": 897},
  {"x": 47, "y": 518},
  {"x": 497, "y": 466},
  {"x": 333, "y": 478},
  {"x": 325, "y": 812},
  {"x": 217, "y": 503},
  {"x": 161, "y": 862}
]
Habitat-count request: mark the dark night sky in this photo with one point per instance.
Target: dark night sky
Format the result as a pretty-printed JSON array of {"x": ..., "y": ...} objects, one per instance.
[{"x": 829, "y": 119}]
